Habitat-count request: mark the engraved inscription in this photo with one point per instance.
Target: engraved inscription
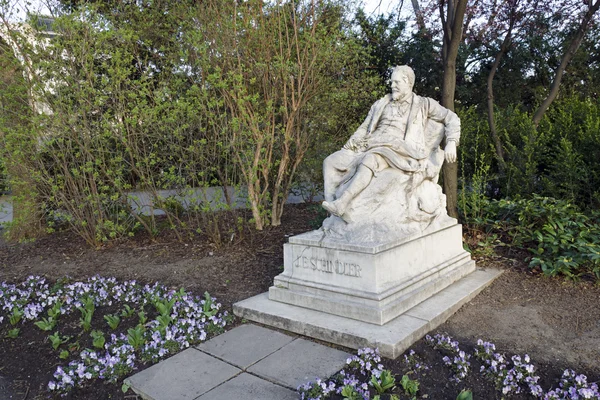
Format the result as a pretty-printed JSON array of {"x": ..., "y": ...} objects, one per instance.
[{"x": 328, "y": 266}]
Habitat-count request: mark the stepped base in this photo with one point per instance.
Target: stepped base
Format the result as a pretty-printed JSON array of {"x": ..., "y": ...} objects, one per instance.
[
  {"x": 392, "y": 339},
  {"x": 373, "y": 284},
  {"x": 384, "y": 295}
]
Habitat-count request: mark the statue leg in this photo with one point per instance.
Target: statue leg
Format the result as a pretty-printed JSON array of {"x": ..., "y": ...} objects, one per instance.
[
  {"x": 370, "y": 164},
  {"x": 335, "y": 169}
]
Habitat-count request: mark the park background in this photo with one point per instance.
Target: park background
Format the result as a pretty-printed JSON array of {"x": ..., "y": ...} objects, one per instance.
[
  {"x": 109, "y": 98},
  {"x": 194, "y": 106}
]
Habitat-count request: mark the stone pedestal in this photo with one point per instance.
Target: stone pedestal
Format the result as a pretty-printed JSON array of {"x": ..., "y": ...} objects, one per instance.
[
  {"x": 385, "y": 295},
  {"x": 373, "y": 284}
]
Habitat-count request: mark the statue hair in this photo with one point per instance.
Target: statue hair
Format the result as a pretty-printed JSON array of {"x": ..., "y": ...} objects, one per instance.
[{"x": 406, "y": 71}]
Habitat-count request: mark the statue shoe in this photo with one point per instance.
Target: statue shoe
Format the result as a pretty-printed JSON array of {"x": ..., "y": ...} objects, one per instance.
[{"x": 332, "y": 207}]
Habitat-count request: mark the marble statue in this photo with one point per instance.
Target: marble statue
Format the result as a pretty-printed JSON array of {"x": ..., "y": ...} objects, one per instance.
[
  {"x": 388, "y": 245},
  {"x": 382, "y": 184}
]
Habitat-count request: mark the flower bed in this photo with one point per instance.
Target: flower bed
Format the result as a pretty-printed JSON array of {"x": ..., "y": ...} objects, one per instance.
[
  {"x": 364, "y": 376},
  {"x": 105, "y": 329}
]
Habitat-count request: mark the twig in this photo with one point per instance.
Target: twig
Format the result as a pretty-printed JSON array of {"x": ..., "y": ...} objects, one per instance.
[{"x": 26, "y": 393}]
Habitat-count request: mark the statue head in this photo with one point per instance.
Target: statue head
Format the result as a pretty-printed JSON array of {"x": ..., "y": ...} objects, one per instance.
[{"x": 402, "y": 82}]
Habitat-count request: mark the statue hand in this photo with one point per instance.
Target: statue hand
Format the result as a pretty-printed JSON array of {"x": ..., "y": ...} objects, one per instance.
[
  {"x": 450, "y": 151},
  {"x": 350, "y": 145},
  {"x": 362, "y": 144},
  {"x": 356, "y": 145}
]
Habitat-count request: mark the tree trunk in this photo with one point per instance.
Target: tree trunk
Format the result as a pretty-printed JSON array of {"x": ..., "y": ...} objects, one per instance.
[
  {"x": 223, "y": 180},
  {"x": 419, "y": 15},
  {"x": 566, "y": 59},
  {"x": 278, "y": 198},
  {"x": 253, "y": 197},
  {"x": 453, "y": 28},
  {"x": 27, "y": 213},
  {"x": 490, "y": 101}
]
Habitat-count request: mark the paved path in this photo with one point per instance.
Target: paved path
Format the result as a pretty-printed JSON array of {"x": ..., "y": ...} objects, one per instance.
[
  {"x": 248, "y": 362},
  {"x": 6, "y": 210},
  {"x": 143, "y": 202}
]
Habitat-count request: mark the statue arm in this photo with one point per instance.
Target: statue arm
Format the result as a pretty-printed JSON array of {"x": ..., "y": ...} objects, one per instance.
[
  {"x": 451, "y": 127},
  {"x": 448, "y": 118}
]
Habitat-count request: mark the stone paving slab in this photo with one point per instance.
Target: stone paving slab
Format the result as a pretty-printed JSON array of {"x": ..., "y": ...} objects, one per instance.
[
  {"x": 299, "y": 362},
  {"x": 245, "y": 345},
  {"x": 186, "y": 375},
  {"x": 276, "y": 364},
  {"x": 246, "y": 386},
  {"x": 392, "y": 339}
]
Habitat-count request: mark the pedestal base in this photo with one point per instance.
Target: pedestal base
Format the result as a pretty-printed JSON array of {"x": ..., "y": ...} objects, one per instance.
[
  {"x": 374, "y": 283},
  {"x": 384, "y": 295},
  {"x": 392, "y": 339}
]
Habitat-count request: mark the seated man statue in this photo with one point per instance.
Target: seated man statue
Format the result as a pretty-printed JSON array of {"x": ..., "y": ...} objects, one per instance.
[{"x": 403, "y": 132}]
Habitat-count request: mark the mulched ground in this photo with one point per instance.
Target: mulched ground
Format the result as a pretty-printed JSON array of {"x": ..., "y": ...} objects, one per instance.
[{"x": 556, "y": 322}]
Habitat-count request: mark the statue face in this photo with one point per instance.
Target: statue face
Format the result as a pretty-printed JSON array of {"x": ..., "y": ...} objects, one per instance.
[{"x": 401, "y": 87}]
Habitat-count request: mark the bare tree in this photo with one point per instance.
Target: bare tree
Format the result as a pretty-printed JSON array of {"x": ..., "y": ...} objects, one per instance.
[
  {"x": 271, "y": 61},
  {"x": 502, "y": 22},
  {"x": 452, "y": 14},
  {"x": 418, "y": 14},
  {"x": 584, "y": 24}
]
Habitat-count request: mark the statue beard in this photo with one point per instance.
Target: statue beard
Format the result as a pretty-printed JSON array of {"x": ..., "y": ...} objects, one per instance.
[{"x": 397, "y": 95}]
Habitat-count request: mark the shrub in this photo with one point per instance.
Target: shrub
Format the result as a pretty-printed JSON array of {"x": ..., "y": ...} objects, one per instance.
[
  {"x": 562, "y": 239},
  {"x": 557, "y": 159},
  {"x": 141, "y": 98}
]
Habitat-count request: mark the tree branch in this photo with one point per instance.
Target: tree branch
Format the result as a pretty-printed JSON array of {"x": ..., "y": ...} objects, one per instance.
[{"x": 566, "y": 59}]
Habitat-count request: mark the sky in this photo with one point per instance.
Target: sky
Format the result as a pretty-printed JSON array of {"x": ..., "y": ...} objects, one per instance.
[
  {"x": 381, "y": 6},
  {"x": 19, "y": 8},
  {"x": 370, "y": 7}
]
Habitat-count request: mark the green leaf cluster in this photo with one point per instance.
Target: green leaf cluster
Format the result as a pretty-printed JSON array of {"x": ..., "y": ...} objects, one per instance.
[
  {"x": 410, "y": 386},
  {"x": 385, "y": 382},
  {"x": 557, "y": 159},
  {"x": 112, "y": 320},
  {"x": 87, "y": 312},
  {"x": 56, "y": 340},
  {"x": 98, "y": 339},
  {"x": 136, "y": 336},
  {"x": 561, "y": 238},
  {"x": 46, "y": 324}
]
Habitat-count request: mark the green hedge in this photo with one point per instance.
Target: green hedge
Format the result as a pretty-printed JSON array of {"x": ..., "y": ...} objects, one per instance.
[{"x": 561, "y": 238}]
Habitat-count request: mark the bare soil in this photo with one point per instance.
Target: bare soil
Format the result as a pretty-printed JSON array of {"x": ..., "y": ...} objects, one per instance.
[{"x": 556, "y": 322}]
